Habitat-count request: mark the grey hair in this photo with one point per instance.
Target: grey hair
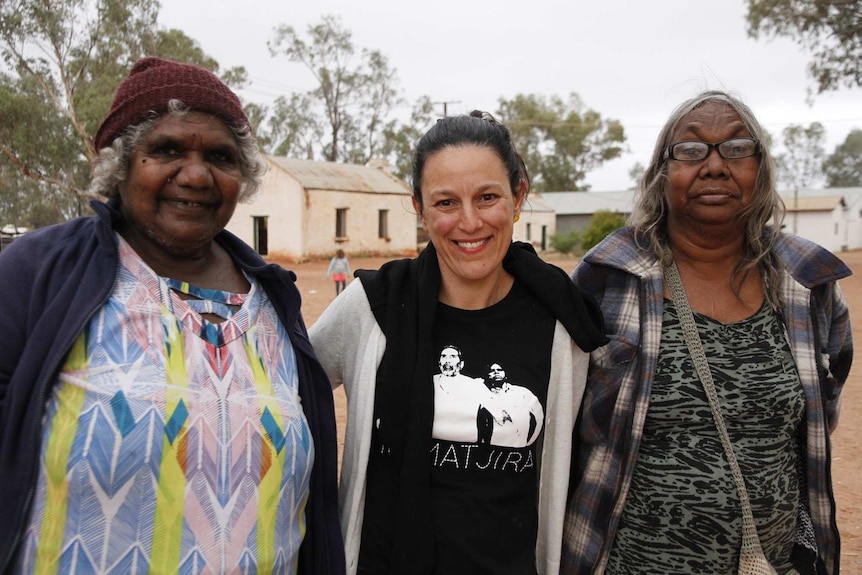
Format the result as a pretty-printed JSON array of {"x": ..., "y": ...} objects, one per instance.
[
  {"x": 112, "y": 166},
  {"x": 649, "y": 214}
]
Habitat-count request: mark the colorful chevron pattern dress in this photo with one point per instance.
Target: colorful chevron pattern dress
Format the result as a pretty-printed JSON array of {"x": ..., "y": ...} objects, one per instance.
[{"x": 172, "y": 444}]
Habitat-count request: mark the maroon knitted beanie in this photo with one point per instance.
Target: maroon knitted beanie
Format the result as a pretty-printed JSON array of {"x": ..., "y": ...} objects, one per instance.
[{"x": 153, "y": 82}]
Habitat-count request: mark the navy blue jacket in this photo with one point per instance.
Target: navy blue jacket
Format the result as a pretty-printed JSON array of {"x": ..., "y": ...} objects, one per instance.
[{"x": 52, "y": 281}]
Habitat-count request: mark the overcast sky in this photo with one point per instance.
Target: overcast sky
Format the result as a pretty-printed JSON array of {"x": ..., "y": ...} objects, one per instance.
[{"x": 633, "y": 60}]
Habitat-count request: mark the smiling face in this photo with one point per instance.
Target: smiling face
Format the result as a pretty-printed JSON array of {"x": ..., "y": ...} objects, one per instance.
[
  {"x": 468, "y": 210},
  {"x": 713, "y": 190},
  {"x": 182, "y": 187}
]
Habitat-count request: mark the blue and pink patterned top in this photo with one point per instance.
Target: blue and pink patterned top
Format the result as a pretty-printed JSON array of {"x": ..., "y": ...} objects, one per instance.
[{"x": 171, "y": 443}]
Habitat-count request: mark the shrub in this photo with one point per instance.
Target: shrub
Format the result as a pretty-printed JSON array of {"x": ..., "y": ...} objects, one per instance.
[
  {"x": 565, "y": 242},
  {"x": 602, "y": 224}
]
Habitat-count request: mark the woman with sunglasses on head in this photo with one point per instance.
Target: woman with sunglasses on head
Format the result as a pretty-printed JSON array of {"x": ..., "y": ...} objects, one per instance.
[
  {"x": 420, "y": 493},
  {"x": 704, "y": 431}
]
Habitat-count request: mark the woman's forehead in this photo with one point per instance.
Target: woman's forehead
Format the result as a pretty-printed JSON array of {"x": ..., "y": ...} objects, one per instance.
[{"x": 711, "y": 116}]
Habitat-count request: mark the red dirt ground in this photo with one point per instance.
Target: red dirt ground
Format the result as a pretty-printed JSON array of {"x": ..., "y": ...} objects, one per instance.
[{"x": 318, "y": 292}]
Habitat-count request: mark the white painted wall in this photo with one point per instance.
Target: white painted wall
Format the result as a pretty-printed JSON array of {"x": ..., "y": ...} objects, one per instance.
[
  {"x": 282, "y": 199},
  {"x": 301, "y": 222},
  {"x": 853, "y": 220},
  {"x": 535, "y": 220},
  {"x": 829, "y": 229},
  {"x": 362, "y": 223}
]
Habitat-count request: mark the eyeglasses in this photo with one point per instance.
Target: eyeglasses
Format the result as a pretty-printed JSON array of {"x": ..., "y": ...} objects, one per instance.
[{"x": 731, "y": 149}]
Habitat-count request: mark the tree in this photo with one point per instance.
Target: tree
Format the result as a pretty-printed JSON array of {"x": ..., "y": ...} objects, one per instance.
[
  {"x": 352, "y": 99},
  {"x": 830, "y": 29},
  {"x": 63, "y": 61},
  {"x": 293, "y": 127},
  {"x": 843, "y": 168},
  {"x": 399, "y": 140},
  {"x": 560, "y": 140},
  {"x": 602, "y": 223},
  {"x": 800, "y": 166},
  {"x": 379, "y": 95}
]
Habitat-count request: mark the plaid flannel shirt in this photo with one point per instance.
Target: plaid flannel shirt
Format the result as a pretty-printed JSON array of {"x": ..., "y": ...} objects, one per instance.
[{"x": 628, "y": 284}]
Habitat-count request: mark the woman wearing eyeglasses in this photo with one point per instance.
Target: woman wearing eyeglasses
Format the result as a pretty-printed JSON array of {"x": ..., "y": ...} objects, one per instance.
[{"x": 704, "y": 429}]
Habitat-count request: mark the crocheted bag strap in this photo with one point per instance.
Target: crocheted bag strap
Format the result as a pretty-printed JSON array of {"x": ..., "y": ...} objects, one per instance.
[{"x": 752, "y": 561}]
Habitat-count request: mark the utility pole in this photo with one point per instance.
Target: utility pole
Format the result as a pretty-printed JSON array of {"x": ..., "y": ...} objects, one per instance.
[{"x": 446, "y": 106}]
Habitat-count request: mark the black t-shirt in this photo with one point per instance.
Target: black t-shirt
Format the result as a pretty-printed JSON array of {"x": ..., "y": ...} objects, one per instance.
[{"x": 489, "y": 403}]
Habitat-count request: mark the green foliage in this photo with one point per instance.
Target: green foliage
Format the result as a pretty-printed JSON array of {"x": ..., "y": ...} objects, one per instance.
[
  {"x": 63, "y": 59},
  {"x": 800, "y": 166},
  {"x": 17, "y": 205},
  {"x": 602, "y": 224},
  {"x": 293, "y": 128},
  {"x": 843, "y": 168},
  {"x": 560, "y": 140},
  {"x": 566, "y": 242},
  {"x": 350, "y": 104},
  {"x": 830, "y": 29}
]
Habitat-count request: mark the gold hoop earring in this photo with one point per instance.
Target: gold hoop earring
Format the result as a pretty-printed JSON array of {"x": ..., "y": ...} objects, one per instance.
[{"x": 517, "y": 217}]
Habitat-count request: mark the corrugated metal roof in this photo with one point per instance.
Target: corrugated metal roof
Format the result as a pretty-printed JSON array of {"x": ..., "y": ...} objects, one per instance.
[
  {"x": 536, "y": 203},
  {"x": 315, "y": 175},
  {"x": 813, "y": 204},
  {"x": 574, "y": 203}
]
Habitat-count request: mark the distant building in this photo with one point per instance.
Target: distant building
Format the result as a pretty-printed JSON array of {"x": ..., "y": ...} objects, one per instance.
[
  {"x": 575, "y": 209},
  {"x": 820, "y": 219},
  {"x": 308, "y": 209},
  {"x": 832, "y": 217},
  {"x": 537, "y": 223}
]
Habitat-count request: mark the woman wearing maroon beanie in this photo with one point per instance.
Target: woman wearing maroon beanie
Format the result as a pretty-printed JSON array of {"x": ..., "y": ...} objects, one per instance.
[{"x": 161, "y": 408}]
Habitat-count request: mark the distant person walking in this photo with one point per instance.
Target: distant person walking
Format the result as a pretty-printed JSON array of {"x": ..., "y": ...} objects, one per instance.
[{"x": 339, "y": 269}]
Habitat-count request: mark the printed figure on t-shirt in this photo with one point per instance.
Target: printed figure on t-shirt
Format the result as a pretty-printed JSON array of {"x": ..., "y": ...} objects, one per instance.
[
  {"x": 457, "y": 399},
  {"x": 511, "y": 415}
]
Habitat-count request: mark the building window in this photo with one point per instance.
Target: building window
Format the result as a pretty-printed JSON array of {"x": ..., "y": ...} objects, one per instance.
[
  {"x": 383, "y": 224},
  {"x": 261, "y": 234},
  {"x": 341, "y": 223},
  {"x": 529, "y": 232}
]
